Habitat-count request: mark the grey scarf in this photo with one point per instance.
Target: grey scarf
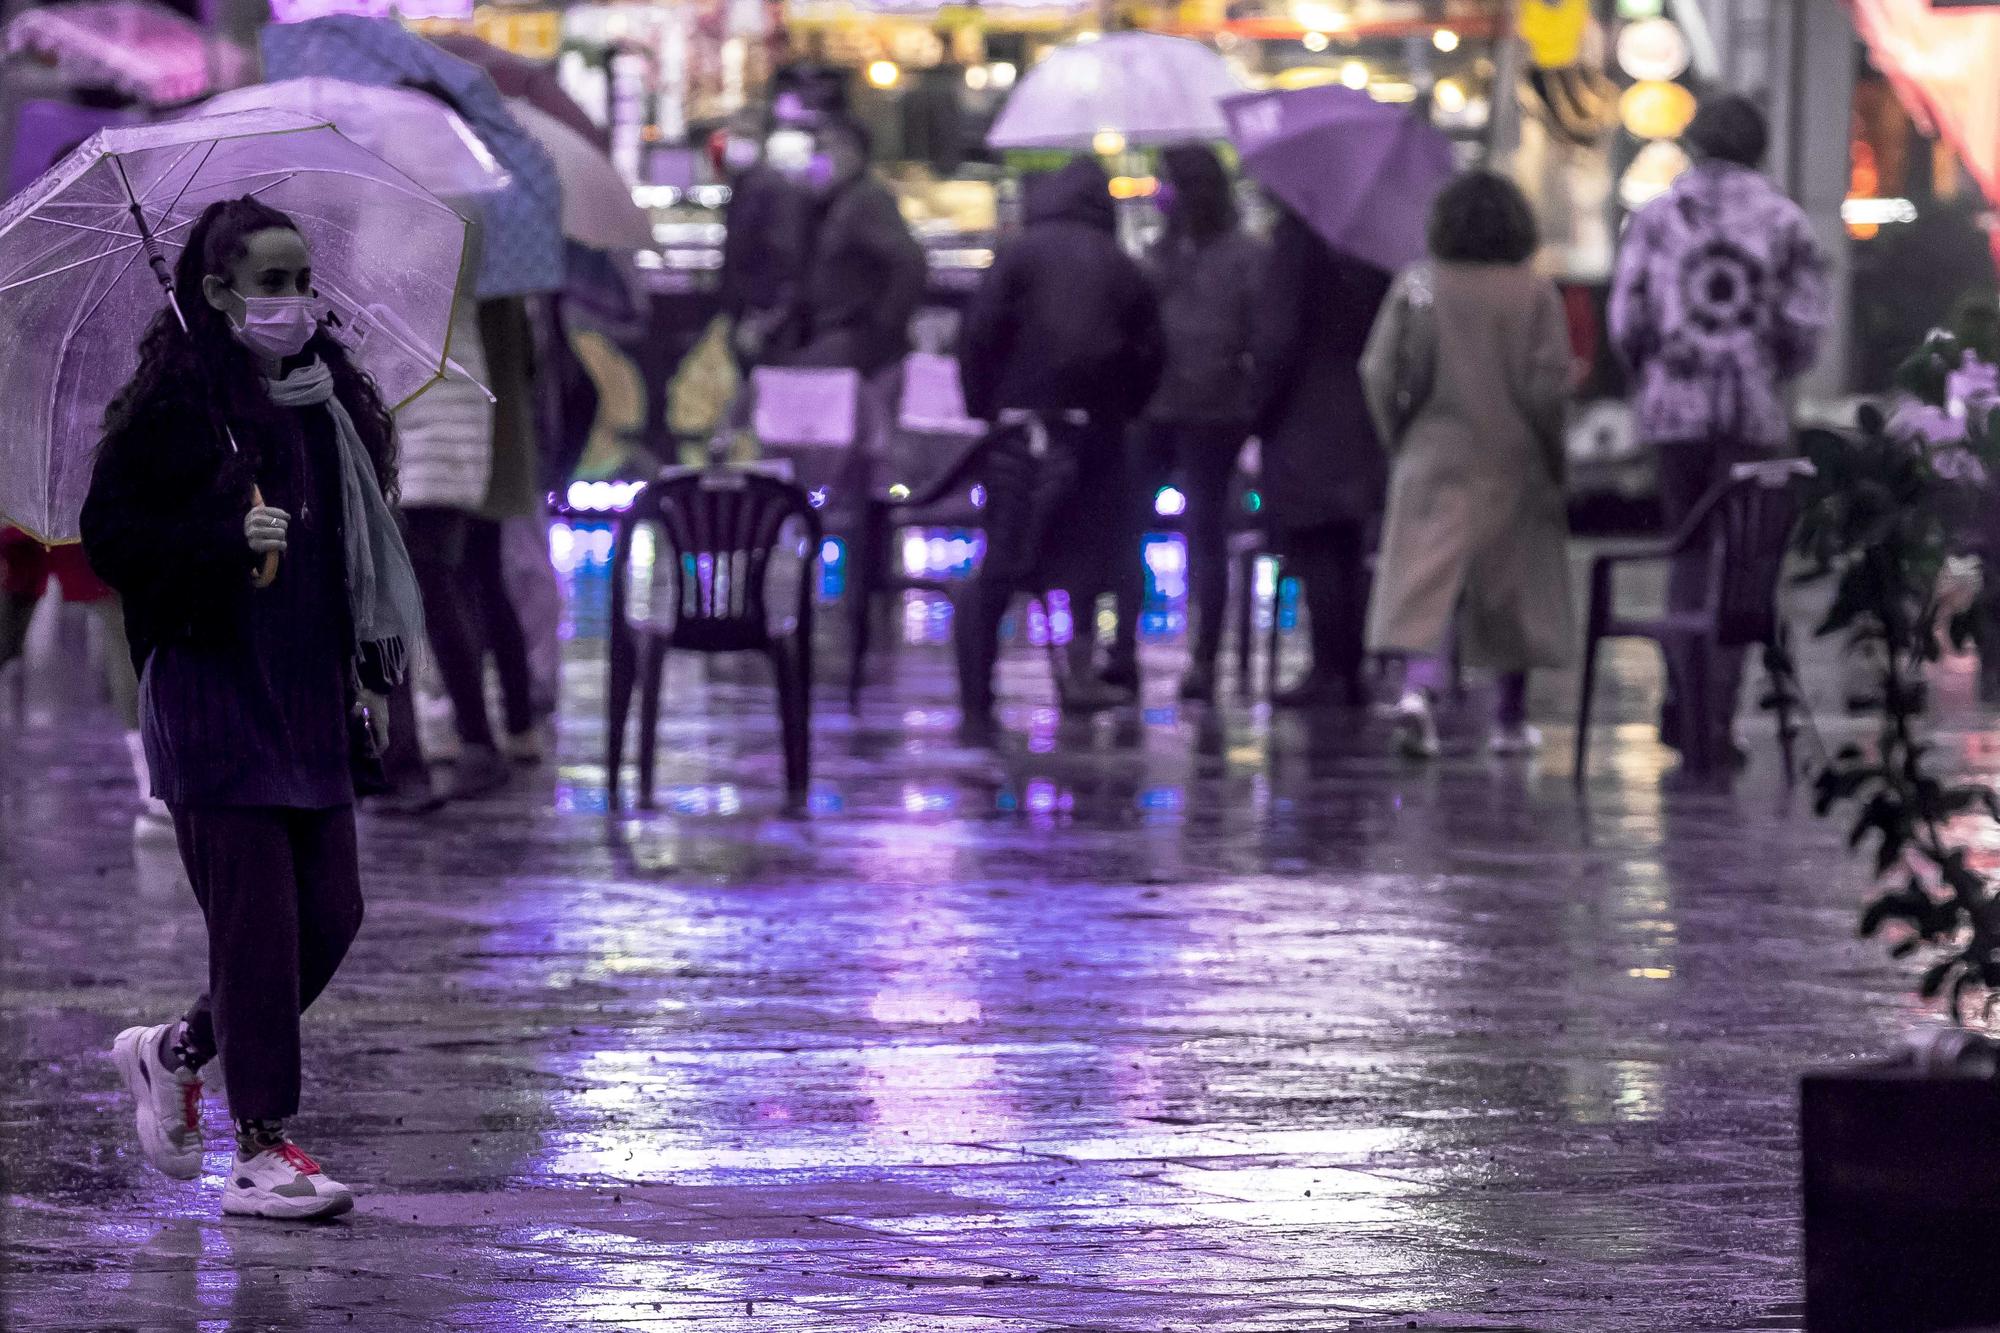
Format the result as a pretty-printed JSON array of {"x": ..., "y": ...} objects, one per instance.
[{"x": 382, "y": 593}]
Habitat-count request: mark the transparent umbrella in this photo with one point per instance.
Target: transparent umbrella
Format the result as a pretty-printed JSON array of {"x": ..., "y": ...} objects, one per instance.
[
  {"x": 143, "y": 50},
  {"x": 1142, "y": 87},
  {"x": 86, "y": 249},
  {"x": 418, "y": 135}
]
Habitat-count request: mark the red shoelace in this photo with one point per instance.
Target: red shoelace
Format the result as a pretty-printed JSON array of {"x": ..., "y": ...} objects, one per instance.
[
  {"x": 191, "y": 1105},
  {"x": 296, "y": 1155}
]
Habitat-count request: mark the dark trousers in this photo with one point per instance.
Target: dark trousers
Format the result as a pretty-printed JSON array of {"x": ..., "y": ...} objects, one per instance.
[
  {"x": 1689, "y": 470},
  {"x": 467, "y": 613},
  {"x": 1200, "y": 458},
  {"x": 281, "y": 890},
  {"x": 1034, "y": 540},
  {"x": 1330, "y": 563}
]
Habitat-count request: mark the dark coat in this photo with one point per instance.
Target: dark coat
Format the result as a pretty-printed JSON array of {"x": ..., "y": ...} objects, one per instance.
[
  {"x": 864, "y": 282},
  {"x": 764, "y": 242},
  {"x": 1208, "y": 303},
  {"x": 1321, "y": 460},
  {"x": 1064, "y": 319}
]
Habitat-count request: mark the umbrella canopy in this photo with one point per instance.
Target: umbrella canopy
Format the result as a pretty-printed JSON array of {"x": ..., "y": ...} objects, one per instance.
[
  {"x": 532, "y": 80},
  {"x": 143, "y": 50},
  {"x": 597, "y": 207},
  {"x": 77, "y": 293},
  {"x": 418, "y": 135},
  {"x": 522, "y": 244},
  {"x": 1144, "y": 87},
  {"x": 1360, "y": 173}
]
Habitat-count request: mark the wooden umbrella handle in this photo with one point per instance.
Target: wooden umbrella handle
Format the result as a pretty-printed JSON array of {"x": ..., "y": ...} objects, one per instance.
[{"x": 267, "y": 573}]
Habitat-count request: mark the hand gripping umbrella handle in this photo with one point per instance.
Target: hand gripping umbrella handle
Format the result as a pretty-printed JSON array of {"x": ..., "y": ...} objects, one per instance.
[{"x": 267, "y": 573}]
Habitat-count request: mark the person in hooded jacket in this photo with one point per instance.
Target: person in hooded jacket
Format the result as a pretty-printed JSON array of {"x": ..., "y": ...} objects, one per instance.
[
  {"x": 1323, "y": 472},
  {"x": 1206, "y": 267},
  {"x": 1059, "y": 351}
]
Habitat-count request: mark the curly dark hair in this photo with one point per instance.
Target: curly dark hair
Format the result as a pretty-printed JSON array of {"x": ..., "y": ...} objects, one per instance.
[
  {"x": 1729, "y": 127},
  {"x": 1204, "y": 205},
  {"x": 208, "y": 363},
  {"x": 1482, "y": 217}
]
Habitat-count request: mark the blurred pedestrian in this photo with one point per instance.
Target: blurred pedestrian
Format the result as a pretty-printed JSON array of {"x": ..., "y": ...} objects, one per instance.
[
  {"x": 1205, "y": 269},
  {"x": 1059, "y": 351},
  {"x": 864, "y": 281},
  {"x": 1718, "y": 304},
  {"x": 1467, "y": 374},
  {"x": 27, "y": 569},
  {"x": 1322, "y": 469},
  {"x": 765, "y": 231},
  {"x": 248, "y": 436}
]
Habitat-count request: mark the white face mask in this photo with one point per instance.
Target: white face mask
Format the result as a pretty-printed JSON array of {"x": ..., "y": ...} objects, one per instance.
[{"x": 277, "y": 326}]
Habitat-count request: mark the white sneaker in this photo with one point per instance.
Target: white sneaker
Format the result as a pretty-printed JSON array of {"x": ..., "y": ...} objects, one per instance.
[
  {"x": 1508, "y": 742},
  {"x": 1416, "y": 726},
  {"x": 169, "y": 1101},
  {"x": 154, "y": 824},
  {"x": 285, "y": 1184}
]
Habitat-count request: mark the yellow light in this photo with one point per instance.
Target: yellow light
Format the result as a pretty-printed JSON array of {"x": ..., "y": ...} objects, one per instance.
[
  {"x": 1450, "y": 97},
  {"x": 1445, "y": 40},
  {"x": 884, "y": 74},
  {"x": 978, "y": 78},
  {"x": 1319, "y": 16},
  {"x": 1003, "y": 74},
  {"x": 1133, "y": 187},
  {"x": 1107, "y": 143},
  {"x": 1314, "y": 41},
  {"x": 1354, "y": 74}
]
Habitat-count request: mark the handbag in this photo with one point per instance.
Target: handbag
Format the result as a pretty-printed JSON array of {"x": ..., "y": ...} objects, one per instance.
[
  {"x": 365, "y": 758},
  {"x": 1415, "y": 366}
]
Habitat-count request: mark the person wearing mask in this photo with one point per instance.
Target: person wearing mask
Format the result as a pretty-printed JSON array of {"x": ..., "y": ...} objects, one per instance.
[
  {"x": 1720, "y": 298},
  {"x": 865, "y": 273},
  {"x": 764, "y": 240},
  {"x": 246, "y": 438},
  {"x": 1467, "y": 374},
  {"x": 1059, "y": 351},
  {"x": 1322, "y": 468},
  {"x": 1205, "y": 269}
]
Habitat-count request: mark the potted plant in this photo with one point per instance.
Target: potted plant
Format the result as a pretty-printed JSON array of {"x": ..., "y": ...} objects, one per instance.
[{"x": 1902, "y": 1159}]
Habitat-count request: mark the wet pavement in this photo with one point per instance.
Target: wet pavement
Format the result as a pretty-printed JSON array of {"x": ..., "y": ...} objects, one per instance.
[{"x": 1177, "y": 1020}]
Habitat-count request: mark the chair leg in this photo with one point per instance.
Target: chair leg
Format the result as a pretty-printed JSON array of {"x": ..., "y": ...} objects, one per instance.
[
  {"x": 1593, "y": 638},
  {"x": 652, "y": 674},
  {"x": 1778, "y": 665},
  {"x": 1585, "y": 696},
  {"x": 788, "y": 666},
  {"x": 1246, "y": 619},
  {"x": 618, "y": 707},
  {"x": 865, "y": 578}
]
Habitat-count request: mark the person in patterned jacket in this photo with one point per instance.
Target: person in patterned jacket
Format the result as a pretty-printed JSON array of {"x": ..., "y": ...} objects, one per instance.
[{"x": 1720, "y": 299}]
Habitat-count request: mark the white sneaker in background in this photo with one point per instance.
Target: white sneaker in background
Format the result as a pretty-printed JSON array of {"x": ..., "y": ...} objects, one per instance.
[
  {"x": 1508, "y": 742},
  {"x": 155, "y": 822},
  {"x": 1416, "y": 726},
  {"x": 168, "y": 1101},
  {"x": 283, "y": 1183}
]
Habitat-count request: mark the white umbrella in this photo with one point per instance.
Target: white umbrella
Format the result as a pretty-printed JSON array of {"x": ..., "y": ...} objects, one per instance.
[
  {"x": 418, "y": 135},
  {"x": 597, "y": 207},
  {"x": 1143, "y": 87}
]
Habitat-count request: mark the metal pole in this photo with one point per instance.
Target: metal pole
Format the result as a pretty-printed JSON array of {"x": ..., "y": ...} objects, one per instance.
[{"x": 1510, "y": 61}]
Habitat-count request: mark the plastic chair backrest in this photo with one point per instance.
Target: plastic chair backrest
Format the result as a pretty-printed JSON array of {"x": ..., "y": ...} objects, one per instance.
[
  {"x": 1749, "y": 525},
  {"x": 719, "y": 530}
]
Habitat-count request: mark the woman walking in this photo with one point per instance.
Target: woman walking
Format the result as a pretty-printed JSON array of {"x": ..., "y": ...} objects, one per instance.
[
  {"x": 246, "y": 436},
  {"x": 1205, "y": 268},
  {"x": 1323, "y": 469},
  {"x": 1467, "y": 372}
]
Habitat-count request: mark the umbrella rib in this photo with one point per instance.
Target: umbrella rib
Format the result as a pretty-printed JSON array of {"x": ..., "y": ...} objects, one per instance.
[
  {"x": 157, "y": 180},
  {"x": 85, "y": 226},
  {"x": 192, "y": 176},
  {"x": 55, "y": 380},
  {"x": 91, "y": 259}
]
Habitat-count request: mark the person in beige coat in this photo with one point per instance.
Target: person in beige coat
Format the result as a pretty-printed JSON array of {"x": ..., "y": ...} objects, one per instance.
[{"x": 1466, "y": 374}]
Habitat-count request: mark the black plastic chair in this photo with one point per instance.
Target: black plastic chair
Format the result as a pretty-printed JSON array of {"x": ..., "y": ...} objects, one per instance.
[
  {"x": 944, "y": 501},
  {"x": 1745, "y": 522},
  {"x": 719, "y": 529}
]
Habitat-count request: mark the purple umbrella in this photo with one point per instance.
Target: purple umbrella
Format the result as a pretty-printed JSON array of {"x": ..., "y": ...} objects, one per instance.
[{"x": 1360, "y": 173}]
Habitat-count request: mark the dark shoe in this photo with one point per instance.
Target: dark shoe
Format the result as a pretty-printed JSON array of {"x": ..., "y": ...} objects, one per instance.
[
  {"x": 478, "y": 771},
  {"x": 412, "y": 800},
  {"x": 1121, "y": 676},
  {"x": 1315, "y": 691},
  {"x": 1092, "y": 696},
  {"x": 978, "y": 730},
  {"x": 1198, "y": 685}
]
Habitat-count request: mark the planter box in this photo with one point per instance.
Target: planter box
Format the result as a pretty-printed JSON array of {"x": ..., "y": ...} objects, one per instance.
[{"x": 1902, "y": 1201}]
